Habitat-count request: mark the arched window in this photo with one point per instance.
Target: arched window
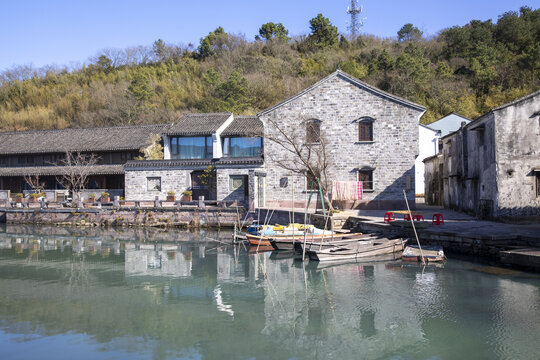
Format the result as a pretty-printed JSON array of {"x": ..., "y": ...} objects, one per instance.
[
  {"x": 313, "y": 131},
  {"x": 365, "y": 129}
]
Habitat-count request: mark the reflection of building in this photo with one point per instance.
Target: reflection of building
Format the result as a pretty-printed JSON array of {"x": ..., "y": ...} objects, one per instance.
[{"x": 150, "y": 262}]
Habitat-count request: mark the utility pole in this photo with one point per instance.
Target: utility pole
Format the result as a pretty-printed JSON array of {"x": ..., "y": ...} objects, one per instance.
[{"x": 356, "y": 22}]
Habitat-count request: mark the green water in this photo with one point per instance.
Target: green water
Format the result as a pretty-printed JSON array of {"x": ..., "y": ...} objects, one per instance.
[{"x": 68, "y": 293}]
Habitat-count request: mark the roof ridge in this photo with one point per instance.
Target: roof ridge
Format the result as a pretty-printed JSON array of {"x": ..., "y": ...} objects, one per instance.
[
  {"x": 355, "y": 81},
  {"x": 82, "y": 128}
]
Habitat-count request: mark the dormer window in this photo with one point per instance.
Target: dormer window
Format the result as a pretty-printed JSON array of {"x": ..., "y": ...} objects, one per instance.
[
  {"x": 191, "y": 147},
  {"x": 313, "y": 131},
  {"x": 242, "y": 146}
]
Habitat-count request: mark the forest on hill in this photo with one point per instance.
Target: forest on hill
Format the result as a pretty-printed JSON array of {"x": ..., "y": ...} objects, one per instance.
[{"x": 464, "y": 69}]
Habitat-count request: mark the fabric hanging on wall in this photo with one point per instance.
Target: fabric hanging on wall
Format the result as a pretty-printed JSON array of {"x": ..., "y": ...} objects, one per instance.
[{"x": 347, "y": 190}]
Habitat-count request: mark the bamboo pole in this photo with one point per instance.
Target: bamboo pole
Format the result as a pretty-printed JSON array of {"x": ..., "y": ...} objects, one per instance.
[{"x": 414, "y": 228}]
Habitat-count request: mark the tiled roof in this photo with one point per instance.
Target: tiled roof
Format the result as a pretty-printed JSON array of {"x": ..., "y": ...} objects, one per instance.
[
  {"x": 177, "y": 163},
  {"x": 58, "y": 170},
  {"x": 198, "y": 124},
  {"x": 245, "y": 125},
  {"x": 76, "y": 139}
]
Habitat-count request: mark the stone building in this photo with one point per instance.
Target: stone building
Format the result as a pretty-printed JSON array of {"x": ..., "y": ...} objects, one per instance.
[
  {"x": 491, "y": 166},
  {"x": 370, "y": 135},
  {"x": 428, "y": 141},
  {"x": 218, "y": 156}
]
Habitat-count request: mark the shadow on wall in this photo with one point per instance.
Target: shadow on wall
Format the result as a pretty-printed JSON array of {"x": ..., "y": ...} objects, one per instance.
[{"x": 390, "y": 198}]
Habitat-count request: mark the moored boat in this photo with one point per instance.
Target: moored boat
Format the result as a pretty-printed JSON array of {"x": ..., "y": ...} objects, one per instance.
[
  {"x": 290, "y": 243},
  {"x": 360, "y": 249},
  {"x": 430, "y": 253}
]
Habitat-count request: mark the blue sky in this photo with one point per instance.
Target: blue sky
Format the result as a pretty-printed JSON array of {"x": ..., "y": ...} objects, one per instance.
[{"x": 62, "y": 32}]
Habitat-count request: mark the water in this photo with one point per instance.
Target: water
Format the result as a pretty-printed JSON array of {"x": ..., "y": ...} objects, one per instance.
[{"x": 70, "y": 293}]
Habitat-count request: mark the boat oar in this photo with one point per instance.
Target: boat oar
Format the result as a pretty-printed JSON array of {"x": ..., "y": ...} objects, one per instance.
[{"x": 414, "y": 228}]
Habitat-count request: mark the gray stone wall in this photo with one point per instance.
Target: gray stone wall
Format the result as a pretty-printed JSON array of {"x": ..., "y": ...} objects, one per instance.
[
  {"x": 224, "y": 190},
  {"x": 517, "y": 133},
  {"x": 171, "y": 179},
  {"x": 338, "y": 103}
]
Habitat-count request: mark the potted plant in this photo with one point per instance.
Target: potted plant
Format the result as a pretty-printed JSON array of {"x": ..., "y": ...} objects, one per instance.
[
  {"x": 186, "y": 195},
  {"x": 105, "y": 197},
  {"x": 33, "y": 197},
  {"x": 92, "y": 198},
  {"x": 19, "y": 197},
  {"x": 171, "y": 196}
]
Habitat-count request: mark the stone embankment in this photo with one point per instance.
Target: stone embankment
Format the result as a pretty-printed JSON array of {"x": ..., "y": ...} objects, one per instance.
[{"x": 209, "y": 217}]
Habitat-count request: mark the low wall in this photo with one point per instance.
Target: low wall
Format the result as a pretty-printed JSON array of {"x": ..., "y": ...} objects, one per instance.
[{"x": 152, "y": 217}]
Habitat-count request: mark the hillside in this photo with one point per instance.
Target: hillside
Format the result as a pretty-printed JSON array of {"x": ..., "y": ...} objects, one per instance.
[{"x": 466, "y": 70}]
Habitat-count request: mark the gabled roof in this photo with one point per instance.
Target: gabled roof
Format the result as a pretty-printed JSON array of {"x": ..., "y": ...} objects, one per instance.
[
  {"x": 78, "y": 139},
  {"x": 245, "y": 125},
  {"x": 427, "y": 127},
  {"x": 198, "y": 124},
  {"x": 449, "y": 123},
  {"x": 344, "y": 76}
]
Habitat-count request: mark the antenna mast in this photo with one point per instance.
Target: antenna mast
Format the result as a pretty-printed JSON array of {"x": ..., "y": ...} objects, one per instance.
[{"x": 356, "y": 22}]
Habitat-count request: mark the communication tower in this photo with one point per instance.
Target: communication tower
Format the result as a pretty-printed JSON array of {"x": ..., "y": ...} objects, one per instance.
[{"x": 356, "y": 22}]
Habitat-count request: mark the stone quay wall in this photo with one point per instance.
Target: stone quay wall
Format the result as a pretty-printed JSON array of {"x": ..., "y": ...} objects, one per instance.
[{"x": 210, "y": 217}]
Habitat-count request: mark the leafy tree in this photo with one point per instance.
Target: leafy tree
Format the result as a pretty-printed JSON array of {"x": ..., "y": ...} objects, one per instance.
[
  {"x": 159, "y": 49},
  {"x": 344, "y": 43},
  {"x": 323, "y": 33},
  {"x": 207, "y": 46},
  {"x": 409, "y": 32},
  {"x": 271, "y": 31},
  {"x": 140, "y": 88},
  {"x": 104, "y": 64}
]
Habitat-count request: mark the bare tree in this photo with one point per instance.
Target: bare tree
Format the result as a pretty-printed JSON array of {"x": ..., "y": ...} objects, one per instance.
[
  {"x": 76, "y": 167},
  {"x": 305, "y": 151},
  {"x": 33, "y": 181}
]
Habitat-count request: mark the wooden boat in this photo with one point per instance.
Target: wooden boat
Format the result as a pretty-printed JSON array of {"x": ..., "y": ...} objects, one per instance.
[
  {"x": 431, "y": 253},
  {"x": 364, "y": 261},
  {"x": 288, "y": 234},
  {"x": 289, "y": 243},
  {"x": 360, "y": 249}
]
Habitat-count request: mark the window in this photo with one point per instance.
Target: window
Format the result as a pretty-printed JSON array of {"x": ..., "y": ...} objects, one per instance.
[
  {"x": 238, "y": 183},
  {"x": 188, "y": 147},
  {"x": 366, "y": 176},
  {"x": 365, "y": 130},
  {"x": 242, "y": 146},
  {"x": 313, "y": 131},
  {"x": 153, "y": 184},
  {"x": 309, "y": 180}
]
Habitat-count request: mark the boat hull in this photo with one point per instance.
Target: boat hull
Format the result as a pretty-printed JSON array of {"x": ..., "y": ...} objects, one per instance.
[
  {"x": 362, "y": 249},
  {"x": 430, "y": 254}
]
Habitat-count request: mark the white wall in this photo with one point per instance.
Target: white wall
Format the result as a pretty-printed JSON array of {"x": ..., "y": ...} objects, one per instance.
[{"x": 427, "y": 143}]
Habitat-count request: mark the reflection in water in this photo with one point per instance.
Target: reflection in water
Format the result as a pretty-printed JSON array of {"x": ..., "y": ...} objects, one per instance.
[{"x": 140, "y": 293}]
